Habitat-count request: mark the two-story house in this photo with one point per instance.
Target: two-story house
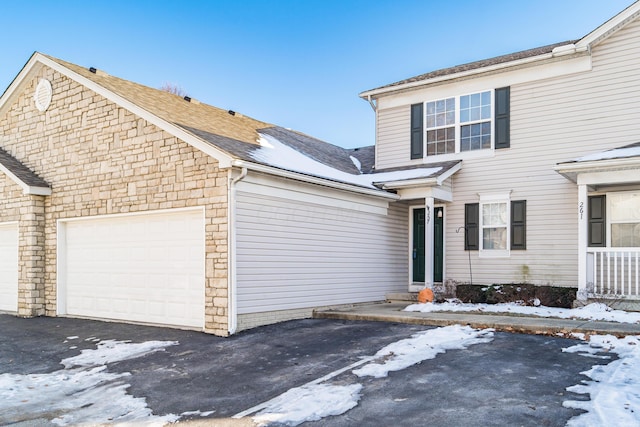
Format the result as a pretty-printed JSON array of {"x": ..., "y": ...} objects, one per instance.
[
  {"x": 119, "y": 201},
  {"x": 547, "y": 181}
]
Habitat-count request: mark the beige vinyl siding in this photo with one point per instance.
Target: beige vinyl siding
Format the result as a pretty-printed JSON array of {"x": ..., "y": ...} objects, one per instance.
[
  {"x": 393, "y": 143},
  {"x": 294, "y": 254},
  {"x": 551, "y": 121}
]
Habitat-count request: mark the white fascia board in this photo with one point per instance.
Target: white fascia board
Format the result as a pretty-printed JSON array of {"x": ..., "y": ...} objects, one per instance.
[
  {"x": 409, "y": 183},
  {"x": 223, "y": 158},
  {"x": 627, "y": 176},
  {"x": 568, "y": 65},
  {"x": 417, "y": 193},
  {"x": 611, "y": 26},
  {"x": 29, "y": 67},
  {"x": 313, "y": 179},
  {"x": 26, "y": 189},
  {"x": 600, "y": 165},
  {"x": 447, "y": 174},
  {"x": 491, "y": 68}
]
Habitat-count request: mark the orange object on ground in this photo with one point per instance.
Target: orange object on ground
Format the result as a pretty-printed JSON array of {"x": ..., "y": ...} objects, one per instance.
[{"x": 425, "y": 295}]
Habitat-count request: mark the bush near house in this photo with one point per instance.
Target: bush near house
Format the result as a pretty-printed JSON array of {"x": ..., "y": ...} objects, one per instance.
[{"x": 550, "y": 296}]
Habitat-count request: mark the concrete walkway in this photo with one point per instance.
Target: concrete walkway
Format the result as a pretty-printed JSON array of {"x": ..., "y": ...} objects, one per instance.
[{"x": 392, "y": 312}]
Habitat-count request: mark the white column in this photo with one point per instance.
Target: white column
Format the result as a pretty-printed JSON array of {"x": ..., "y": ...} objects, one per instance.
[
  {"x": 428, "y": 242},
  {"x": 583, "y": 227}
]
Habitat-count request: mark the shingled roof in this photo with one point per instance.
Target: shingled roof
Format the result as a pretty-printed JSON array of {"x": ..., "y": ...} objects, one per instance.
[
  {"x": 25, "y": 177},
  {"x": 529, "y": 53},
  {"x": 232, "y": 136}
]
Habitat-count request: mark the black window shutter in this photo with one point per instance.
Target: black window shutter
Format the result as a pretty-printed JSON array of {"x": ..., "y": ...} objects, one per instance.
[
  {"x": 597, "y": 221},
  {"x": 502, "y": 101},
  {"x": 519, "y": 225},
  {"x": 471, "y": 225},
  {"x": 417, "y": 131}
]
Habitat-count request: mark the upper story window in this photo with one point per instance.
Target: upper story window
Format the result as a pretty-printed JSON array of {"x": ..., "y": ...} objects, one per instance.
[{"x": 468, "y": 122}]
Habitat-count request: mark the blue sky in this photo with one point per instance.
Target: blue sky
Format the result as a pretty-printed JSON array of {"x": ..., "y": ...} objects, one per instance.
[{"x": 297, "y": 64}]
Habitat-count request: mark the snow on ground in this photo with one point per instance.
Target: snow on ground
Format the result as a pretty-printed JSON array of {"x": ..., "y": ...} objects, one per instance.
[
  {"x": 110, "y": 351},
  {"x": 422, "y": 346},
  {"x": 595, "y": 311},
  {"x": 614, "y": 389},
  {"x": 315, "y": 400},
  {"x": 85, "y": 395},
  {"x": 309, "y": 403}
]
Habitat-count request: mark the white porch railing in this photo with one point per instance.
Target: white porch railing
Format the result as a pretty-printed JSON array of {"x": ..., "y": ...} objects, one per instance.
[{"x": 613, "y": 272}]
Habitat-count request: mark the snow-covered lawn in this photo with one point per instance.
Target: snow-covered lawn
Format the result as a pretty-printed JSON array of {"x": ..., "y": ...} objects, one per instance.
[
  {"x": 614, "y": 389},
  {"x": 595, "y": 311}
]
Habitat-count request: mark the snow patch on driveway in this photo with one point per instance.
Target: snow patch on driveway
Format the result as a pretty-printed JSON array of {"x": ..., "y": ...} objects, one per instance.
[
  {"x": 310, "y": 402},
  {"x": 422, "y": 346},
  {"x": 317, "y": 399},
  {"x": 85, "y": 395},
  {"x": 615, "y": 387}
]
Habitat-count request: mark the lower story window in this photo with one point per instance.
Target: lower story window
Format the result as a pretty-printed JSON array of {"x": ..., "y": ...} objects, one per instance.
[
  {"x": 624, "y": 218},
  {"x": 494, "y": 226}
]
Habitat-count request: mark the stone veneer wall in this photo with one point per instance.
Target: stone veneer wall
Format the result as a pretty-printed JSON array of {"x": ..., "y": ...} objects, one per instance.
[{"x": 101, "y": 159}]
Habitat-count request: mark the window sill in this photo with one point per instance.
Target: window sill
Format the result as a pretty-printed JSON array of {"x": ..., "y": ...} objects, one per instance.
[
  {"x": 465, "y": 155},
  {"x": 489, "y": 253}
]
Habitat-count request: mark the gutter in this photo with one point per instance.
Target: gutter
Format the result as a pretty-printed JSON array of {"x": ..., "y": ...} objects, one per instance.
[
  {"x": 232, "y": 302},
  {"x": 315, "y": 180},
  {"x": 559, "y": 51}
]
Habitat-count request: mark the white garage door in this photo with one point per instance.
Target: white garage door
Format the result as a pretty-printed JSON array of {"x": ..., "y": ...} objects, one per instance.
[
  {"x": 145, "y": 268},
  {"x": 9, "y": 267}
]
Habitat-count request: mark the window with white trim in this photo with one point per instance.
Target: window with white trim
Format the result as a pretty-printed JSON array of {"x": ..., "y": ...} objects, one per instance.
[
  {"x": 458, "y": 124},
  {"x": 463, "y": 123},
  {"x": 494, "y": 220},
  {"x": 624, "y": 218}
]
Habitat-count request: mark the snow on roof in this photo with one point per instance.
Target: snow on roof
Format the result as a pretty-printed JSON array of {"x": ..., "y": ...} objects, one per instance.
[
  {"x": 616, "y": 153},
  {"x": 274, "y": 153}
]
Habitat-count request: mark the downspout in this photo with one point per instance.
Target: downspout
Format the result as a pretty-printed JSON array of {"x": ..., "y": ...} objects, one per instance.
[{"x": 232, "y": 303}]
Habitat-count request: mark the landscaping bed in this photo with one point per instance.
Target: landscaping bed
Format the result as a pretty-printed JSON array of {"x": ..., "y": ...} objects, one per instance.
[{"x": 525, "y": 293}]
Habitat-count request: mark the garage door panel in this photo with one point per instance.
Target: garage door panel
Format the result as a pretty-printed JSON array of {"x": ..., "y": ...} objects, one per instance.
[
  {"x": 9, "y": 267},
  {"x": 147, "y": 268}
]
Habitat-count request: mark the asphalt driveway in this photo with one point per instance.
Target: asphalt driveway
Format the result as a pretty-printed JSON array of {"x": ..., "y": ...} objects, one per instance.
[{"x": 512, "y": 380}]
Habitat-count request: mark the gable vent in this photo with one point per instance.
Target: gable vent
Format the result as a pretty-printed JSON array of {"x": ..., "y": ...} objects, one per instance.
[{"x": 43, "y": 94}]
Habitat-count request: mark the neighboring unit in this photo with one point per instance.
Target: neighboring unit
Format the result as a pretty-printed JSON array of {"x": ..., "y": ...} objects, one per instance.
[
  {"x": 123, "y": 202},
  {"x": 548, "y": 191}
]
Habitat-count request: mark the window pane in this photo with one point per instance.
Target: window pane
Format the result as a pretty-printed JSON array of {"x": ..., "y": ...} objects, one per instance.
[
  {"x": 486, "y": 98},
  {"x": 475, "y": 100},
  {"x": 624, "y": 206},
  {"x": 451, "y": 104},
  {"x": 440, "y": 106},
  {"x": 431, "y": 108},
  {"x": 451, "y": 117},
  {"x": 486, "y": 112},
  {"x": 431, "y": 121},
  {"x": 625, "y": 235},
  {"x": 494, "y": 238},
  {"x": 464, "y": 102}
]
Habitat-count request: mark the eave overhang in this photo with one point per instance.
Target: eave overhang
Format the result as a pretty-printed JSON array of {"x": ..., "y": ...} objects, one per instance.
[{"x": 601, "y": 172}]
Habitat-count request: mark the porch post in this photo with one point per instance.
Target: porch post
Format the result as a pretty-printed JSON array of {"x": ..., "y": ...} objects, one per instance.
[
  {"x": 428, "y": 242},
  {"x": 583, "y": 226}
]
